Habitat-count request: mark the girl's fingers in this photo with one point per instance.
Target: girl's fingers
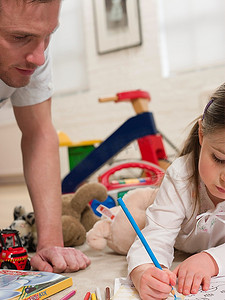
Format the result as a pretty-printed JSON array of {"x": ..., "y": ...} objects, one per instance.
[
  {"x": 206, "y": 283},
  {"x": 197, "y": 280}
]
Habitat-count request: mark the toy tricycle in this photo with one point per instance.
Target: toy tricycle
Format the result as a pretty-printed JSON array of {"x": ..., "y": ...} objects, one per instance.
[{"x": 140, "y": 127}]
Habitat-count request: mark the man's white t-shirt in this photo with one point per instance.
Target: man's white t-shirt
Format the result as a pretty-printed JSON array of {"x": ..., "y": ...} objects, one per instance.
[{"x": 39, "y": 89}]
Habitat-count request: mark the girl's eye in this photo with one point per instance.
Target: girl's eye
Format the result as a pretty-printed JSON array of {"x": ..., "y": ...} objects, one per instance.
[{"x": 220, "y": 161}]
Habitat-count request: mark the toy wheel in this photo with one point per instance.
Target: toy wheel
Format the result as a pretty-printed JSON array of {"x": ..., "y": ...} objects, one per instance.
[
  {"x": 8, "y": 265},
  {"x": 153, "y": 175}
]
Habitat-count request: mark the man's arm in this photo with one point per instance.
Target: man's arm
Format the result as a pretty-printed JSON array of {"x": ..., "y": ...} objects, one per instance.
[
  {"x": 40, "y": 152},
  {"x": 41, "y": 170}
]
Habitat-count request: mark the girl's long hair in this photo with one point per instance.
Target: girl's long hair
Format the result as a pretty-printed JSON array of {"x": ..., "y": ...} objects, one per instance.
[{"x": 212, "y": 119}]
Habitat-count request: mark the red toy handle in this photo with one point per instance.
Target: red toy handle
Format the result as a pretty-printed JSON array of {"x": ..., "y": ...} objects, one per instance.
[
  {"x": 131, "y": 95},
  {"x": 153, "y": 172},
  {"x": 128, "y": 96}
]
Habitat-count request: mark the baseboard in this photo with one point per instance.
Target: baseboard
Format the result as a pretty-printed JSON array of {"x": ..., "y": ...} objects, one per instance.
[{"x": 12, "y": 179}]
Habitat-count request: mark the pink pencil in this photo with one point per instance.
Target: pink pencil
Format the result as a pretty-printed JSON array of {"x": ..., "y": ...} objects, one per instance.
[{"x": 69, "y": 295}]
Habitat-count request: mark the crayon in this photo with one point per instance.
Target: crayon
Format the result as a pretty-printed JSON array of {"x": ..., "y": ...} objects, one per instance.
[
  {"x": 93, "y": 296},
  {"x": 98, "y": 294},
  {"x": 87, "y": 296},
  {"x": 107, "y": 293}
]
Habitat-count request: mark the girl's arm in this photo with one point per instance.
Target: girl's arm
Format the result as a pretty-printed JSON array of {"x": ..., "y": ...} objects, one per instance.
[{"x": 164, "y": 220}]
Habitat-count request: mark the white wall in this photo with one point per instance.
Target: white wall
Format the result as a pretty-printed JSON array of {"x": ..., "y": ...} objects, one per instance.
[
  {"x": 176, "y": 98},
  {"x": 176, "y": 101}
]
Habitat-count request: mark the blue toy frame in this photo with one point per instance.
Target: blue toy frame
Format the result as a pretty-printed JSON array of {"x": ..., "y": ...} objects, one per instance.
[{"x": 135, "y": 127}]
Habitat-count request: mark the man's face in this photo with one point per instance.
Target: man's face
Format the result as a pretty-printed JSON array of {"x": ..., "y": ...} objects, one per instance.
[{"x": 25, "y": 30}]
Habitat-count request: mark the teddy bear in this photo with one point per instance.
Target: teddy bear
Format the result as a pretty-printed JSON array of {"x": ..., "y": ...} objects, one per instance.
[
  {"x": 77, "y": 216},
  {"x": 116, "y": 231}
]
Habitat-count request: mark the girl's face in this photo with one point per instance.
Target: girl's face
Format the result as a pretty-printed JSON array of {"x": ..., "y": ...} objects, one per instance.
[{"x": 212, "y": 163}]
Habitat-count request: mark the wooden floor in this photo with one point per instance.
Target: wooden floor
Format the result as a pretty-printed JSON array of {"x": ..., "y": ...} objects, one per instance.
[{"x": 11, "y": 196}]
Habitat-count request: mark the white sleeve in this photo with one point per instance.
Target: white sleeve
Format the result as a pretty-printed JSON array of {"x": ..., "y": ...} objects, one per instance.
[
  {"x": 164, "y": 219},
  {"x": 40, "y": 87},
  {"x": 218, "y": 254}
]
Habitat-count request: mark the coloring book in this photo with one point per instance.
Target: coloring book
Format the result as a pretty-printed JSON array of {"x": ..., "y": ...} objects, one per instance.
[
  {"x": 31, "y": 285},
  {"x": 124, "y": 289}
]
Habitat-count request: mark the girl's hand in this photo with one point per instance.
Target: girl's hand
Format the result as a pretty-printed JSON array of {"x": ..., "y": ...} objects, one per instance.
[
  {"x": 195, "y": 271},
  {"x": 151, "y": 282}
]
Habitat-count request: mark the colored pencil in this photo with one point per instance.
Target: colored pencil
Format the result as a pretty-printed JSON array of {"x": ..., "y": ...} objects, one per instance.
[
  {"x": 87, "y": 296},
  {"x": 69, "y": 295},
  {"x": 142, "y": 238},
  {"x": 107, "y": 293},
  {"x": 93, "y": 296},
  {"x": 98, "y": 294}
]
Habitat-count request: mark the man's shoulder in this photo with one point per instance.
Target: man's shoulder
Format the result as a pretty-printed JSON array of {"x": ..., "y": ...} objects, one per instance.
[{"x": 5, "y": 92}]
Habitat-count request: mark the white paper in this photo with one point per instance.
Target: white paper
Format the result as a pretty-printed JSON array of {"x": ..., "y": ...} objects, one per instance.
[{"x": 124, "y": 289}]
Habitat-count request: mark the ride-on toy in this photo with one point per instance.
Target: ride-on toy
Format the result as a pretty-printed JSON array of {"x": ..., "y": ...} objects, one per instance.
[{"x": 141, "y": 127}]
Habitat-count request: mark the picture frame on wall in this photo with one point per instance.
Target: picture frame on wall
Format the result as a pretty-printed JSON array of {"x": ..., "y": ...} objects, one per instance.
[{"x": 117, "y": 25}]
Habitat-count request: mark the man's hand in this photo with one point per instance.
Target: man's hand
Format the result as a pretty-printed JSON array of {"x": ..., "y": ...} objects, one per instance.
[
  {"x": 195, "y": 271},
  {"x": 59, "y": 260}
]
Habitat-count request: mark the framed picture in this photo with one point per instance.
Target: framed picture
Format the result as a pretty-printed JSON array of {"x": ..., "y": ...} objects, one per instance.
[{"x": 117, "y": 24}]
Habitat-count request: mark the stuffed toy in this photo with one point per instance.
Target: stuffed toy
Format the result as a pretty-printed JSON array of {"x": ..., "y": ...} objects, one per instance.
[
  {"x": 77, "y": 217},
  {"x": 25, "y": 224},
  {"x": 116, "y": 232}
]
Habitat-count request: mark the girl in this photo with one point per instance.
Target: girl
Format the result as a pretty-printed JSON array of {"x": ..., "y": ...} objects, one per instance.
[{"x": 188, "y": 213}]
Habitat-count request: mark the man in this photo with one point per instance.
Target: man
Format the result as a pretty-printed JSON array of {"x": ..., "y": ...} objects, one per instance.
[{"x": 25, "y": 30}]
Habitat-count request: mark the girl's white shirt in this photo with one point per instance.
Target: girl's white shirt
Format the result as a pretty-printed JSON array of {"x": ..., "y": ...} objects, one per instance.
[{"x": 172, "y": 221}]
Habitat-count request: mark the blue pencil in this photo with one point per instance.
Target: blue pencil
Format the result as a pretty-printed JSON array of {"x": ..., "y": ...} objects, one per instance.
[{"x": 141, "y": 237}]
